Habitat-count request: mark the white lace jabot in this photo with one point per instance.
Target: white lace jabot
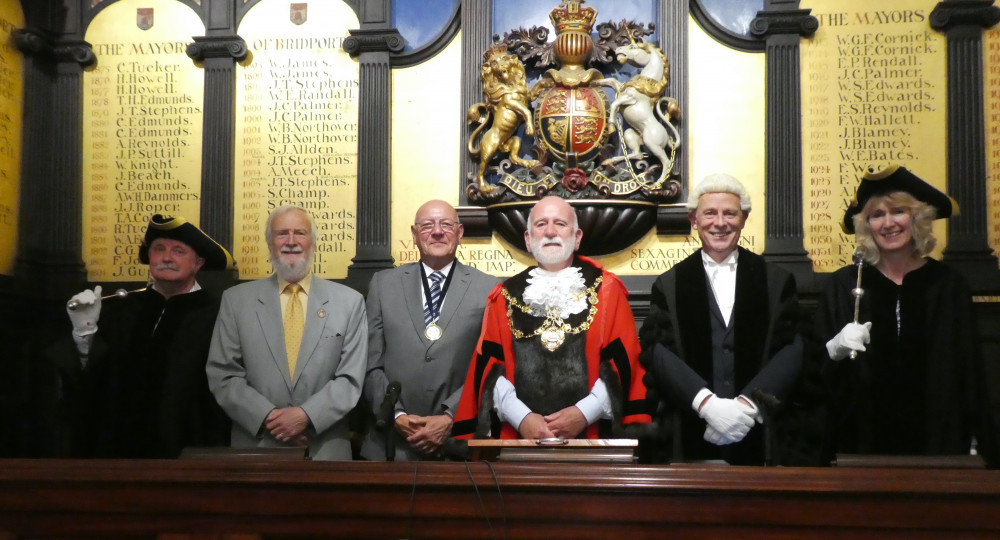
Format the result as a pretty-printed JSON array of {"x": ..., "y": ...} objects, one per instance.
[{"x": 563, "y": 291}]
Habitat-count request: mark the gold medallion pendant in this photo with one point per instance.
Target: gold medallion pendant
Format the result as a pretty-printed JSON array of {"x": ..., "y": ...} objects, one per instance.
[
  {"x": 552, "y": 338},
  {"x": 552, "y": 332},
  {"x": 433, "y": 332}
]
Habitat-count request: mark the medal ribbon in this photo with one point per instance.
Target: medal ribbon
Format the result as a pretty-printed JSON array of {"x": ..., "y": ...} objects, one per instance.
[{"x": 433, "y": 302}]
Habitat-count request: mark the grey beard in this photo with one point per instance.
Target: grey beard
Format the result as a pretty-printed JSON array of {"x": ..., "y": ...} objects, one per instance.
[
  {"x": 292, "y": 273},
  {"x": 550, "y": 258}
]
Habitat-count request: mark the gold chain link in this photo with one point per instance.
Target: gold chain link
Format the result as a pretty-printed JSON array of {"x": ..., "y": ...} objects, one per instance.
[{"x": 553, "y": 325}]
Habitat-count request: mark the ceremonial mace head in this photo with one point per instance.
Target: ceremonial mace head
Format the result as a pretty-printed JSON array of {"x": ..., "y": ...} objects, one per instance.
[{"x": 73, "y": 305}]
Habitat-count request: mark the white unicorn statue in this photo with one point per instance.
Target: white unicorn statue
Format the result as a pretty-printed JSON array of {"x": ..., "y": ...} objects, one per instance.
[{"x": 645, "y": 109}]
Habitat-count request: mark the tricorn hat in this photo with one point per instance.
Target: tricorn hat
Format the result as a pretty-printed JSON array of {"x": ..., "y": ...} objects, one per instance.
[
  {"x": 890, "y": 180},
  {"x": 177, "y": 228}
]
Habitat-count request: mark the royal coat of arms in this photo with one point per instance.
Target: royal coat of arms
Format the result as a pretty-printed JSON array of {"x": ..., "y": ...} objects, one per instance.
[{"x": 595, "y": 134}]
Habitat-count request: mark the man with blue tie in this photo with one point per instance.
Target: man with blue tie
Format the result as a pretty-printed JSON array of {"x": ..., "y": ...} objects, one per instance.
[
  {"x": 721, "y": 334},
  {"x": 287, "y": 359},
  {"x": 423, "y": 322}
]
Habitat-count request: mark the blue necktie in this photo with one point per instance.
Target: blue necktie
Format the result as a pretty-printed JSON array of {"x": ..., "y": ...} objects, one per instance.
[{"x": 433, "y": 306}]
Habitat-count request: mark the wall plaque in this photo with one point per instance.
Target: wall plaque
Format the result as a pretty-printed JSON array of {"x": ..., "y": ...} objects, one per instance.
[
  {"x": 11, "y": 75},
  {"x": 297, "y": 130},
  {"x": 873, "y": 93},
  {"x": 142, "y": 114},
  {"x": 991, "y": 76}
]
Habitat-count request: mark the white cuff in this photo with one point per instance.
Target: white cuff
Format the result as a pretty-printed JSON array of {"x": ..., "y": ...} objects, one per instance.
[
  {"x": 831, "y": 350},
  {"x": 509, "y": 408},
  {"x": 597, "y": 404},
  {"x": 85, "y": 332},
  {"x": 83, "y": 342},
  {"x": 699, "y": 397}
]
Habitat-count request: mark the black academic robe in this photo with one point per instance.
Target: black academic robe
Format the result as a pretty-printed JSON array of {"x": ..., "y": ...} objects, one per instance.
[
  {"x": 763, "y": 345},
  {"x": 143, "y": 392},
  {"x": 921, "y": 386}
]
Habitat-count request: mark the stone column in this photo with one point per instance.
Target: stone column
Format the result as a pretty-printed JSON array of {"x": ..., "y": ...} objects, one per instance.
[
  {"x": 477, "y": 36},
  {"x": 672, "y": 19},
  {"x": 49, "y": 257},
  {"x": 672, "y": 22},
  {"x": 218, "y": 55},
  {"x": 372, "y": 45},
  {"x": 782, "y": 25},
  {"x": 968, "y": 248}
]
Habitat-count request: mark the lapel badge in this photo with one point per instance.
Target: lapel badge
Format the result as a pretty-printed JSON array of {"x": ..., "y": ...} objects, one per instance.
[{"x": 321, "y": 313}]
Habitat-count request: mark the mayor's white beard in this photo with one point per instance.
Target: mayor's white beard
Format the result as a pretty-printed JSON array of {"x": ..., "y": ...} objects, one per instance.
[
  {"x": 292, "y": 273},
  {"x": 549, "y": 255}
]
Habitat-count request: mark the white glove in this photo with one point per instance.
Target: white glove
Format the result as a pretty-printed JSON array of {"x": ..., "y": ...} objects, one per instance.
[
  {"x": 750, "y": 408},
  {"x": 728, "y": 417},
  {"x": 853, "y": 337},
  {"x": 715, "y": 437},
  {"x": 88, "y": 310}
]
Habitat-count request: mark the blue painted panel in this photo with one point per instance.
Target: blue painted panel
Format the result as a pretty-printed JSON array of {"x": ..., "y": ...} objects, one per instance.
[
  {"x": 420, "y": 21},
  {"x": 734, "y": 15},
  {"x": 512, "y": 14}
]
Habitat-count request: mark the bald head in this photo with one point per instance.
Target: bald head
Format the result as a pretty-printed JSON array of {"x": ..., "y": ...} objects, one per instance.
[
  {"x": 553, "y": 235},
  {"x": 435, "y": 207},
  {"x": 551, "y": 204},
  {"x": 436, "y": 233}
]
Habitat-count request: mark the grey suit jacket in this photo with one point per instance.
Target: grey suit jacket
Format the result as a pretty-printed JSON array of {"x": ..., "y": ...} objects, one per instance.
[
  {"x": 431, "y": 373},
  {"x": 248, "y": 370}
]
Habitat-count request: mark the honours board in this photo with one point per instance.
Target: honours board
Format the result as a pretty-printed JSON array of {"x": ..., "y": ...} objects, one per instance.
[
  {"x": 142, "y": 131},
  {"x": 874, "y": 92},
  {"x": 297, "y": 130}
]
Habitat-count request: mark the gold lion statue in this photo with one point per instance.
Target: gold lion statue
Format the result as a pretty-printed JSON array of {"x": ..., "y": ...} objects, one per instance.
[{"x": 505, "y": 88}]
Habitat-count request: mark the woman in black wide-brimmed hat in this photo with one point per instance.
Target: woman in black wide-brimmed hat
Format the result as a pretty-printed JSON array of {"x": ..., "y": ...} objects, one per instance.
[{"x": 917, "y": 384}]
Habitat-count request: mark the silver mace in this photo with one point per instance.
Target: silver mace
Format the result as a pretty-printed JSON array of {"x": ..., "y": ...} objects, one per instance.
[
  {"x": 73, "y": 305},
  {"x": 857, "y": 292}
]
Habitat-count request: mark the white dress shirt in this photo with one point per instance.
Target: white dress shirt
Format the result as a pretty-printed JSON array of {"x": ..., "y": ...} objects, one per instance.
[
  {"x": 595, "y": 406},
  {"x": 722, "y": 277},
  {"x": 427, "y": 272}
]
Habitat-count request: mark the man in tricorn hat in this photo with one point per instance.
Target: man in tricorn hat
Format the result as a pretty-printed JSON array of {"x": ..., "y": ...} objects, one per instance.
[{"x": 133, "y": 376}]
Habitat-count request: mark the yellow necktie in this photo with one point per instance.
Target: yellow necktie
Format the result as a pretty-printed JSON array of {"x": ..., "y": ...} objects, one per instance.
[{"x": 295, "y": 322}]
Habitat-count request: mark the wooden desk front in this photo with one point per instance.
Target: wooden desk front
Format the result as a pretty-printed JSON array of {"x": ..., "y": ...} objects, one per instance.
[{"x": 47, "y": 499}]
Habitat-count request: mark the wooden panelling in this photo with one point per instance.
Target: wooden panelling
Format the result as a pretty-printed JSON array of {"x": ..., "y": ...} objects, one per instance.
[{"x": 285, "y": 499}]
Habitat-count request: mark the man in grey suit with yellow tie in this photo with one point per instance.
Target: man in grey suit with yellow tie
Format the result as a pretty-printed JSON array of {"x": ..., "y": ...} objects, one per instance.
[
  {"x": 287, "y": 359},
  {"x": 424, "y": 320}
]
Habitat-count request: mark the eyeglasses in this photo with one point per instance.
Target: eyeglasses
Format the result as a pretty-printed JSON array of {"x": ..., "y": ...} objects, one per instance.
[{"x": 426, "y": 227}]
